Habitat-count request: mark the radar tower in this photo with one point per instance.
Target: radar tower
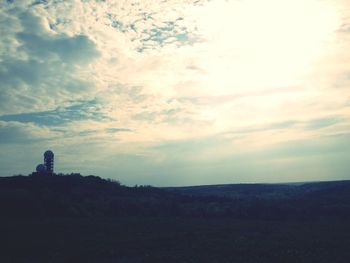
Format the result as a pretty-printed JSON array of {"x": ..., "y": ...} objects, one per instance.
[{"x": 48, "y": 161}]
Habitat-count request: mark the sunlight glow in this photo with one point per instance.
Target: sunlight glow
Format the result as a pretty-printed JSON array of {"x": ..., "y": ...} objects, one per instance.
[{"x": 262, "y": 44}]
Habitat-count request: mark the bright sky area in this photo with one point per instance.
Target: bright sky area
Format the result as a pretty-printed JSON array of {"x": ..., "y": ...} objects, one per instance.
[{"x": 177, "y": 92}]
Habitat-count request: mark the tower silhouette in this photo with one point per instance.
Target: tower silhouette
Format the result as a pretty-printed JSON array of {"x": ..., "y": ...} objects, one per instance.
[{"x": 48, "y": 161}]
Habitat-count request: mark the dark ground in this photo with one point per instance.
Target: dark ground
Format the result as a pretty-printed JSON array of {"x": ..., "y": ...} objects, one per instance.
[
  {"x": 139, "y": 239},
  {"x": 89, "y": 219}
]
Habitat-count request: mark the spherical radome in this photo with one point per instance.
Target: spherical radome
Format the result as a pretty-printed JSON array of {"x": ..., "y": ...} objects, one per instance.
[{"x": 40, "y": 168}]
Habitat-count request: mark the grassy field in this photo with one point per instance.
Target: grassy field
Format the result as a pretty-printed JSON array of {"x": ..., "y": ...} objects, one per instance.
[{"x": 144, "y": 239}]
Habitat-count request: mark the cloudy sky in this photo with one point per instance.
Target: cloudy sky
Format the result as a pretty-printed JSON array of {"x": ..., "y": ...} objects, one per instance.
[{"x": 177, "y": 92}]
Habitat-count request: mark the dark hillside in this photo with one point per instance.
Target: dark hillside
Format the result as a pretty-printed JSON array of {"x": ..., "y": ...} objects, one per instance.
[
  {"x": 76, "y": 196},
  {"x": 61, "y": 196},
  {"x": 74, "y": 218},
  {"x": 264, "y": 191}
]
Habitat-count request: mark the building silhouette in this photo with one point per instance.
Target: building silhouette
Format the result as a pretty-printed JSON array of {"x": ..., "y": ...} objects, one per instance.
[
  {"x": 47, "y": 166},
  {"x": 48, "y": 161}
]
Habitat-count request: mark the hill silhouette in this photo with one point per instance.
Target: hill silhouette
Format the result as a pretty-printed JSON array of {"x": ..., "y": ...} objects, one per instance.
[
  {"x": 74, "y": 195},
  {"x": 74, "y": 218}
]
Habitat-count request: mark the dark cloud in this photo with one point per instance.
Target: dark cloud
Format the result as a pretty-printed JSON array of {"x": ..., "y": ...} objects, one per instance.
[
  {"x": 322, "y": 146},
  {"x": 323, "y": 122},
  {"x": 88, "y": 110},
  {"x": 73, "y": 50},
  {"x": 268, "y": 127},
  {"x": 39, "y": 68},
  {"x": 115, "y": 130},
  {"x": 312, "y": 124},
  {"x": 16, "y": 132}
]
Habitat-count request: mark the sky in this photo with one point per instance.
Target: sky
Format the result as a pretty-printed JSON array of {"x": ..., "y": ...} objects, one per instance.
[{"x": 177, "y": 92}]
